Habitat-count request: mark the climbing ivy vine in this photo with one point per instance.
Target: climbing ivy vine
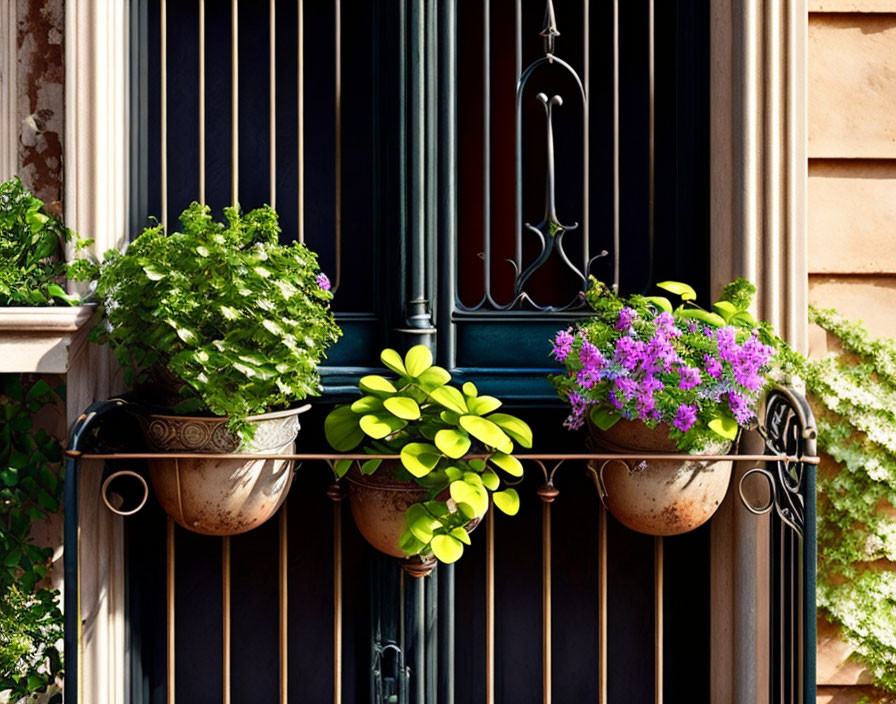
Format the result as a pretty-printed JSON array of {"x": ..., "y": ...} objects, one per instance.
[
  {"x": 853, "y": 391},
  {"x": 30, "y": 489}
]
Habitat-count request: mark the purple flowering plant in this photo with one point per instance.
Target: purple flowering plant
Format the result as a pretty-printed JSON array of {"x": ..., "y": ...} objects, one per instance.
[{"x": 700, "y": 372}]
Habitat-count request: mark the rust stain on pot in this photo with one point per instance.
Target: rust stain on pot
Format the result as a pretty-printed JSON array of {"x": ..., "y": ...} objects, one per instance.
[{"x": 41, "y": 97}]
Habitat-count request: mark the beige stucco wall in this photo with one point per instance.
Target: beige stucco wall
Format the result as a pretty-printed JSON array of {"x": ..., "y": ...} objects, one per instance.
[{"x": 852, "y": 210}]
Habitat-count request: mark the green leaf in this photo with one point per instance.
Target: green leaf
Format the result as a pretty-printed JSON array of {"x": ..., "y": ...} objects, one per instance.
[
  {"x": 450, "y": 398},
  {"x": 380, "y": 425},
  {"x": 724, "y": 426},
  {"x": 342, "y": 429},
  {"x": 508, "y": 501},
  {"x": 703, "y": 315},
  {"x": 341, "y": 467},
  {"x": 374, "y": 383},
  {"x": 453, "y": 473},
  {"x": 420, "y": 522},
  {"x": 392, "y": 360},
  {"x": 725, "y": 308},
  {"x": 409, "y": 544},
  {"x": 433, "y": 378},
  {"x": 453, "y": 443},
  {"x": 418, "y": 360},
  {"x": 660, "y": 302},
  {"x": 481, "y": 405},
  {"x": 742, "y": 319},
  {"x": 508, "y": 463},
  {"x": 461, "y": 534},
  {"x": 514, "y": 427},
  {"x": 470, "y": 390},
  {"x": 370, "y": 466},
  {"x": 477, "y": 463},
  {"x": 449, "y": 417},
  {"x": 603, "y": 417},
  {"x": 679, "y": 289},
  {"x": 420, "y": 458},
  {"x": 57, "y": 291},
  {"x": 152, "y": 273},
  {"x": 487, "y": 432},
  {"x": 490, "y": 480},
  {"x": 475, "y": 497},
  {"x": 447, "y": 548},
  {"x": 402, "y": 407},
  {"x": 367, "y": 404}
]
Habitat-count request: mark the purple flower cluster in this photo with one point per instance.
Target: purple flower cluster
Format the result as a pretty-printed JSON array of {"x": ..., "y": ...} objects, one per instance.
[
  {"x": 648, "y": 372},
  {"x": 323, "y": 281}
]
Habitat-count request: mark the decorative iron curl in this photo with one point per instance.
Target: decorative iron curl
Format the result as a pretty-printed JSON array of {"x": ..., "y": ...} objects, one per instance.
[{"x": 789, "y": 430}]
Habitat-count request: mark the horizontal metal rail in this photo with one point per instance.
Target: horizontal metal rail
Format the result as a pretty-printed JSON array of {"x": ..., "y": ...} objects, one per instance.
[{"x": 330, "y": 457}]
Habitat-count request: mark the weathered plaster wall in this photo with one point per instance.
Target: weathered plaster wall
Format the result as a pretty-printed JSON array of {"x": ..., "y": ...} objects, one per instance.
[
  {"x": 41, "y": 96},
  {"x": 852, "y": 213}
]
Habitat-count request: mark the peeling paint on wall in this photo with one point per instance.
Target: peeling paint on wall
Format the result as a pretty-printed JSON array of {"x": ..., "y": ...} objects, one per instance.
[{"x": 41, "y": 97}]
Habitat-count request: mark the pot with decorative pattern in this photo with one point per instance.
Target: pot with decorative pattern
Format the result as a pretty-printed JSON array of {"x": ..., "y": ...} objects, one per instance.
[{"x": 225, "y": 496}]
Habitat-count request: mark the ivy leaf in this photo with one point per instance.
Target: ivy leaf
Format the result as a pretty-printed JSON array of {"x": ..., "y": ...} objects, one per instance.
[
  {"x": 703, "y": 315},
  {"x": 490, "y": 480},
  {"x": 482, "y": 405},
  {"x": 341, "y": 467},
  {"x": 409, "y": 544},
  {"x": 420, "y": 522},
  {"x": 508, "y": 501},
  {"x": 461, "y": 534},
  {"x": 660, "y": 302}
]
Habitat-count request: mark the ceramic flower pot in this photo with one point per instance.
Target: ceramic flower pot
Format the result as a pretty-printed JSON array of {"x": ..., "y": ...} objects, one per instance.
[
  {"x": 659, "y": 497},
  {"x": 221, "y": 496},
  {"x": 378, "y": 502}
]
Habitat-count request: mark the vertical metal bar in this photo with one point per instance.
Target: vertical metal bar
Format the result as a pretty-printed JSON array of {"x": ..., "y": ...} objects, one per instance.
[
  {"x": 602, "y": 606},
  {"x": 586, "y": 136},
  {"x": 300, "y": 49},
  {"x": 202, "y": 101},
  {"x": 337, "y": 603},
  {"x": 432, "y": 630},
  {"x": 518, "y": 160},
  {"x": 487, "y": 150},
  {"x": 163, "y": 78},
  {"x": 272, "y": 82},
  {"x": 432, "y": 173},
  {"x": 447, "y": 628},
  {"x": 418, "y": 640},
  {"x": 72, "y": 611},
  {"x": 808, "y": 570},
  {"x": 225, "y": 619},
  {"x": 490, "y": 606},
  {"x": 782, "y": 613},
  {"x": 658, "y": 619},
  {"x": 772, "y": 267},
  {"x": 283, "y": 593},
  {"x": 169, "y": 598},
  {"x": 447, "y": 159},
  {"x": 234, "y": 103},
  {"x": 651, "y": 202},
  {"x": 546, "y": 602},
  {"x": 616, "y": 184},
  {"x": 337, "y": 129}
]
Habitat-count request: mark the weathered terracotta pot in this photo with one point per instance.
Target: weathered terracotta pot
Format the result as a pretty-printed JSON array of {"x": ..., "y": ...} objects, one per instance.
[
  {"x": 221, "y": 496},
  {"x": 659, "y": 497},
  {"x": 378, "y": 504}
]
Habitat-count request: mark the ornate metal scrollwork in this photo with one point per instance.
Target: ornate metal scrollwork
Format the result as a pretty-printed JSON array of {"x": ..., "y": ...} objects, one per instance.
[{"x": 789, "y": 429}]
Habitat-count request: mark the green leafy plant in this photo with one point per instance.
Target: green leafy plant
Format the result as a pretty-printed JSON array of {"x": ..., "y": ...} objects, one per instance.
[
  {"x": 853, "y": 393},
  {"x": 240, "y": 319},
  {"x": 32, "y": 257},
  {"x": 30, "y": 490},
  {"x": 640, "y": 358},
  {"x": 452, "y": 442}
]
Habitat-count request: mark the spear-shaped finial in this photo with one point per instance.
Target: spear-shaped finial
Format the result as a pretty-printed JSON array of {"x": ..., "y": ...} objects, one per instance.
[{"x": 550, "y": 28}]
